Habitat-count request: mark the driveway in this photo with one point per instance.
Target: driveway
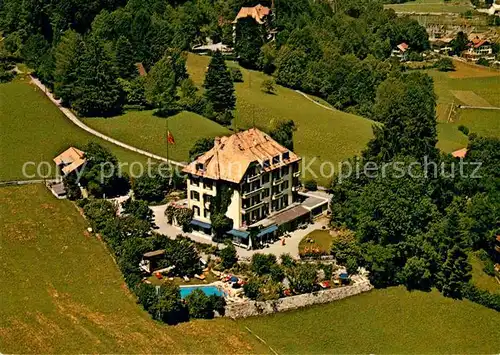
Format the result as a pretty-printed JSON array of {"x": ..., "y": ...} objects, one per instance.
[{"x": 291, "y": 243}]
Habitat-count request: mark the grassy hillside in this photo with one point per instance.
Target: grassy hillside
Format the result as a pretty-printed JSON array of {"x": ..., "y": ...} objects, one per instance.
[
  {"x": 62, "y": 293},
  {"x": 383, "y": 321},
  {"x": 321, "y": 135},
  {"x": 33, "y": 129},
  {"x": 455, "y": 6},
  {"x": 144, "y": 130}
]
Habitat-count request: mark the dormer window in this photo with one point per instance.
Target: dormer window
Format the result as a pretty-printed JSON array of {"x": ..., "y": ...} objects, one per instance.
[
  {"x": 266, "y": 163},
  {"x": 286, "y": 155},
  {"x": 276, "y": 159},
  {"x": 200, "y": 166}
]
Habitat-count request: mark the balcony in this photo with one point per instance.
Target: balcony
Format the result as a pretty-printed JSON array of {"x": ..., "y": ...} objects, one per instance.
[
  {"x": 253, "y": 178},
  {"x": 253, "y": 207},
  {"x": 251, "y": 193},
  {"x": 278, "y": 194},
  {"x": 278, "y": 181}
]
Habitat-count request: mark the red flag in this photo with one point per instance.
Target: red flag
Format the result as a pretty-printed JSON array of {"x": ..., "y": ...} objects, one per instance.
[{"x": 170, "y": 138}]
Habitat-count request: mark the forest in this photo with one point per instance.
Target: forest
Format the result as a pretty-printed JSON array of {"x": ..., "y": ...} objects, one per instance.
[{"x": 87, "y": 51}]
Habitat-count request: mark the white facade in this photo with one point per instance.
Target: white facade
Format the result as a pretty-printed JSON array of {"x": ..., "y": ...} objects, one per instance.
[{"x": 259, "y": 194}]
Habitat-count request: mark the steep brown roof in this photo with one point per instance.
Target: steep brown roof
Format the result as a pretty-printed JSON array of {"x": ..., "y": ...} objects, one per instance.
[
  {"x": 258, "y": 13},
  {"x": 71, "y": 159},
  {"x": 231, "y": 156}
]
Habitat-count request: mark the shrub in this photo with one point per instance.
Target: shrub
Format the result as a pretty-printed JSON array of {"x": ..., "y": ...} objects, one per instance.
[
  {"x": 277, "y": 273},
  {"x": 463, "y": 129},
  {"x": 252, "y": 288},
  {"x": 287, "y": 260},
  {"x": 482, "y": 297},
  {"x": 415, "y": 57},
  {"x": 311, "y": 185},
  {"x": 445, "y": 64},
  {"x": 169, "y": 307},
  {"x": 484, "y": 62},
  {"x": 268, "y": 86},
  {"x": 228, "y": 256},
  {"x": 236, "y": 75},
  {"x": 199, "y": 305},
  {"x": 261, "y": 263}
]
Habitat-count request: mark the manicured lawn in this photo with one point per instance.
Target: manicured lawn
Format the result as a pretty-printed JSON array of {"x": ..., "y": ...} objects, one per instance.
[
  {"x": 455, "y": 6},
  {"x": 62, "y": 292},
  {"x": 144, "y": 130},
  {"x": 480, "y": 278},
  {"x": 33, "y": 129},
  {"x": 321, "y": 135},
  {"x": 321, "y": 239},
  {"x": 389, "y": 320}
]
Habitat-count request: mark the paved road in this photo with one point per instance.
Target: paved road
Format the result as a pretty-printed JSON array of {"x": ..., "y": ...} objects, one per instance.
[{"x": 80, "y": 124}]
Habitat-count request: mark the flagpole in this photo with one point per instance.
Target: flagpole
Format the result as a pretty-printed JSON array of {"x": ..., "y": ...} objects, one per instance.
[{"x": 168, "y": 143}]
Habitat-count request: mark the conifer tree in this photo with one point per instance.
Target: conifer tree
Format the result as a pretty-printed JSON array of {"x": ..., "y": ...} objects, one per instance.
[
  {"x": 97, "y": 91},
  {"x": 67, "y": 56},
  {"x": 219, "y": 89},
  {"x": 455, "y": 273},
  {"x": 125, "y": 62}
]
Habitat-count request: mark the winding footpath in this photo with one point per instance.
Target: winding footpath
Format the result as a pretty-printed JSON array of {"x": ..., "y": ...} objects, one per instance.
[{"x": 72, "y": 117}]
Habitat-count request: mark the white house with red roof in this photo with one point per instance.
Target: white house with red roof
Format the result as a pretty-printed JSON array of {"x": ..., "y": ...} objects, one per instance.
[
  {"x": 401, "y": 51},
  {"x": 479, "y": 48}
]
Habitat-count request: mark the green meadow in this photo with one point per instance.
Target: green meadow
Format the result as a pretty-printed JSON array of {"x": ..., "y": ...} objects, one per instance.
[
  {"x": 383, "y": 321},
  {"x": 34, "y": 130}
]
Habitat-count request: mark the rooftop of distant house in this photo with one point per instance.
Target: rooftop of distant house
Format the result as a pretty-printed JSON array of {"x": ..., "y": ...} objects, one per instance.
[
  {"x": 460, "y": 153},
  {"x": 258, "y": 12},
  {"x": 231, "y": 156},
  {"x": 477, "y": 42},
  {"x": 71, "y": 159},
  {"x": 141, "y": 69},
  {"x": 403, "y": 47}
]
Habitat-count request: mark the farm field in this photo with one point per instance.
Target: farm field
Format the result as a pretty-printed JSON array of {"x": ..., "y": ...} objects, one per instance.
[
  {"x": 35, "y": 130},
  {"x": 144, "y": 130},
  {"x": 62, "y": 292},
  {"x": 467, "y": 85},
  {"x": 454, "y": 6},
  {"x": 321, "y": 135},
  {"x": 389, "y": 320}
]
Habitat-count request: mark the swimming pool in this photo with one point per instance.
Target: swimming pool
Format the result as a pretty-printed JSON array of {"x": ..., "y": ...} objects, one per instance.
[{"x": 208, "y": 290}]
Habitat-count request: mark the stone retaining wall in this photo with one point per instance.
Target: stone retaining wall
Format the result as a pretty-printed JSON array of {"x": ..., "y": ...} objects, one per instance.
[{"x": 255, "y": 308}]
